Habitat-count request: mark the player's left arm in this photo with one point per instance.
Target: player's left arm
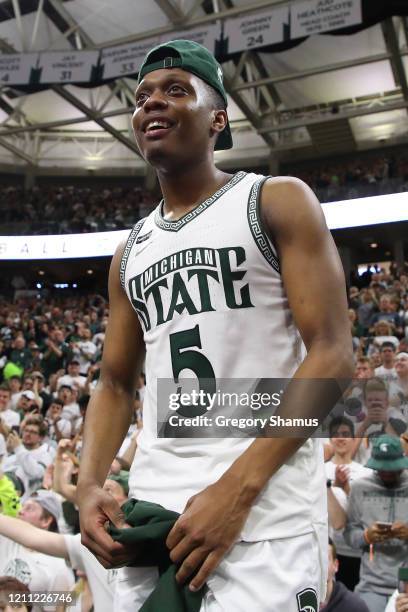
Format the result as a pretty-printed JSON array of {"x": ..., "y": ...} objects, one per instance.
[{"x": 314, "y": 282}]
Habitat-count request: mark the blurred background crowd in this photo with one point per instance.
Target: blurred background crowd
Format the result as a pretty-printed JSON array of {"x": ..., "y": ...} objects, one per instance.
[
  {"x": 63, "y": 209},
  {"x": 50, "y": 354}
]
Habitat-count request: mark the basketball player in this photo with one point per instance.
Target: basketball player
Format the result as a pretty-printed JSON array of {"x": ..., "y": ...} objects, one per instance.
[{"x": 223, "y": 280}]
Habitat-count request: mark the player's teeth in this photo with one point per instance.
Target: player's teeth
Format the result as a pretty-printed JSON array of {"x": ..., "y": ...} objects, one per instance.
[{"x": 157, "y": 124}]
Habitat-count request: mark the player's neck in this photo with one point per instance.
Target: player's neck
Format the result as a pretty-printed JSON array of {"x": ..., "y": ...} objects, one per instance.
[{"x": 182, "y": 191}]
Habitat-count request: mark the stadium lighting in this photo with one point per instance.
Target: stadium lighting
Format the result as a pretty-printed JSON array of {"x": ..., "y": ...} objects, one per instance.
[{"x": 359, "y": 212}]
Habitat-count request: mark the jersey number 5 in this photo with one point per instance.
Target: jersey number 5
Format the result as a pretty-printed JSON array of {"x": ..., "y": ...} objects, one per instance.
[
  {"x": 184, "y": 358},
  {"x": 307, "y": 600}
]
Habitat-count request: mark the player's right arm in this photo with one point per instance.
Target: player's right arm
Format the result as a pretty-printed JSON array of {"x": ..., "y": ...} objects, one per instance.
[{"x": 108, "y": 419}]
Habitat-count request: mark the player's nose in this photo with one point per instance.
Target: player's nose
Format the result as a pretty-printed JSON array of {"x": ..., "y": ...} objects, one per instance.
[{"x": 156, "y": 100}]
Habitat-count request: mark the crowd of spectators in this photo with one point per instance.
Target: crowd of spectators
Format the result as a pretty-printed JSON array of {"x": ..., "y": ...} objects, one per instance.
[
  {"x": 71, "y": 209},
  {"x": 361, "y": 177},
  {"x": 50, "y": 354}
]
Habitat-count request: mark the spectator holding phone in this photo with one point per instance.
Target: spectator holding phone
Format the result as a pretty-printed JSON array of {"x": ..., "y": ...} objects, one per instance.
[{"x": 376, "y": 521}]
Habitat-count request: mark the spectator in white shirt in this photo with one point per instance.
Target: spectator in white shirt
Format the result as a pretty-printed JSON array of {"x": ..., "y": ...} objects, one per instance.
[
  {"x": 10, "y": 417},
  {"x": 84, "y": 349},
  {"x": 399, "y": 387},
  {"x": 70, "y": 409},
  {"x": 342, "y": 470},
  {"x": 15, "y": 384},
  {"x": 32, "y": 388},
  {"x": 59, "y": 427},
  {"x": 73, "y": 377},
  {"x": 39, "y": 571},
  {"x": 29, "y": 455},
  {"x": 69, "y": 547},
  {"x": 386, "y": 371},
  {"x": 27, "y": 403}
]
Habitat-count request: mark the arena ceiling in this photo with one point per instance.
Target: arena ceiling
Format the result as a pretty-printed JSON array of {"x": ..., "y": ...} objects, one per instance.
[{"x": 327, "y": 95}]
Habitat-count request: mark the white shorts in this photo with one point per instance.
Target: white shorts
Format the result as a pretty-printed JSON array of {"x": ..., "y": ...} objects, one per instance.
[{"x": 268, "y": 576}]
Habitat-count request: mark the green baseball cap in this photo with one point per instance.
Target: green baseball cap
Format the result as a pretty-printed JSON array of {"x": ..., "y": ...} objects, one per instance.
[
  {"x": 387, "y": 454},
  {"x": 195, "y": 58}
]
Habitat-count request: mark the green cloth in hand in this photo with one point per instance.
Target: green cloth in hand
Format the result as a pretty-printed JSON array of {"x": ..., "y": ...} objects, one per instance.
[{"x": 150, "y": 525}]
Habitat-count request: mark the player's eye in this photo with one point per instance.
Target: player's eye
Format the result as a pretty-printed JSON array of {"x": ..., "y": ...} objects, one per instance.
[
  {"x": 176, "y": 89},
  {"x": 141, "y": 98}
]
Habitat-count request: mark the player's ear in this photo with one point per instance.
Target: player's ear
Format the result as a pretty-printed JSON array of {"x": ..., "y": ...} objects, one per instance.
[{"x": 219, "y": 120}]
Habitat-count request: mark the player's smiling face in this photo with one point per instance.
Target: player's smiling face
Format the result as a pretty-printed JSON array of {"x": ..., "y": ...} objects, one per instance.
[{"x": 172, "y": 118}]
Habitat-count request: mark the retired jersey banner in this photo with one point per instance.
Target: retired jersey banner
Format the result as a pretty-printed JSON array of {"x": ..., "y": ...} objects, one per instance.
[
  {"x": 125, "y": 59},
  {"x": 205, "y": 35},
  {"x": 15, "y": 68},
  {"x": 317, "y": 16},
  {"x": 256, "y": 29},
  {"x": 67, "y": 66}
]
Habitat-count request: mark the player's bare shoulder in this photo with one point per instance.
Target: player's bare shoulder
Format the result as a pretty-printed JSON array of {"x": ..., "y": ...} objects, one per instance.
[
  {"x": 288, "y": 205},
  {"x": 114, "y": 271}
]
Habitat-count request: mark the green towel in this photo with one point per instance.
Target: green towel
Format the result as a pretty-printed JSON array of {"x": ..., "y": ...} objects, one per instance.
[{"x": 150, "y": 526}]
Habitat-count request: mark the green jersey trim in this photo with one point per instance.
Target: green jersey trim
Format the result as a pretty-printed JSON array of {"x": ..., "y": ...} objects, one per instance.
[
  {"x": 255, "y": 223},
  {"x": 128, "y": 247},
  {"x": 175, "y": 226}
]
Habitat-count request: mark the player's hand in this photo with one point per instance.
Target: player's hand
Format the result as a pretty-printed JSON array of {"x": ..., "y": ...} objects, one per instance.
[
  {"x": 401, "y": 603},
  {"x": 96, "y": 508},
  {"x": 399, "y": 530},
  {"x": 206, "y": 530},
  {"x": 375, "y": 534}
]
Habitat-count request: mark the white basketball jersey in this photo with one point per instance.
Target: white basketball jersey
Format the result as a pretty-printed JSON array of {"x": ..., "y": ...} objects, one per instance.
[{"x": 207, "y": 288}]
